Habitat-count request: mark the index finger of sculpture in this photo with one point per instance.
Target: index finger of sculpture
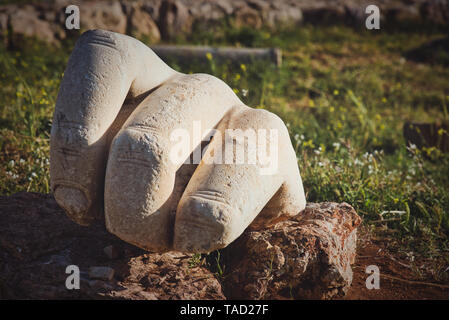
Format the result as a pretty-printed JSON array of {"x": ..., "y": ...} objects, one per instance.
[{"x": 103, "y": 70}]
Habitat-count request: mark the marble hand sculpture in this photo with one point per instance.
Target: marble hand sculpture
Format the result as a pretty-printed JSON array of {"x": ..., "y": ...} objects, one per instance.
[{"x": 118, "y": 154}]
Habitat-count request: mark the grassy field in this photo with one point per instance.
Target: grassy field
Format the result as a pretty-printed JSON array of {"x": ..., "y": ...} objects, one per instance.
[{"x": 345, "y": 96}]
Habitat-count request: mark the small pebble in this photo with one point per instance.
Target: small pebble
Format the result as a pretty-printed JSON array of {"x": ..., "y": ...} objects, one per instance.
[
  {"x": 101, "y": 273},
  {"x": 112, "y": 252}
]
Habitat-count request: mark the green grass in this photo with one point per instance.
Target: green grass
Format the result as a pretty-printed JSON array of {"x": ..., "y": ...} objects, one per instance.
[{"x": 344, "y": 95}]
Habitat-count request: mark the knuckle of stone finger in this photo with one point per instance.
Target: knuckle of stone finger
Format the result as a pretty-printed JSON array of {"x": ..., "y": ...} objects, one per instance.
[{"x": 132, "y": 143}]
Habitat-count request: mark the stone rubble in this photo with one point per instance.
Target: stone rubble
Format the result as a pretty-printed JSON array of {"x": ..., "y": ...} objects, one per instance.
[
  {"x": 169, "y": 18},
  {"x": 308, "y": 256}
]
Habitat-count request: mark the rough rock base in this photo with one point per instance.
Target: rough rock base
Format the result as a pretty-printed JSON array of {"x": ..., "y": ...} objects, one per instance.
[{"x": 306, "y": 257}]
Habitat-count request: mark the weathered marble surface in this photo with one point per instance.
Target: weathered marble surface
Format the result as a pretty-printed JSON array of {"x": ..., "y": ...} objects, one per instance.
[{"x": 112, "y": 147}]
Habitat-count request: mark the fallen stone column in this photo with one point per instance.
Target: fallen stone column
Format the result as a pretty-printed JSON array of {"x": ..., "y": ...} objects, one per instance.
[{"x": 234, "y": 55}]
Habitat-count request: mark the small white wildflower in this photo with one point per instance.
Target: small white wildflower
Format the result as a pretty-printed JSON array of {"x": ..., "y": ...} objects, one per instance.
[
  {"x": 336, "y": 145},
  {"x": 302, "y": 137},
  {"x": 245, "y": 92},
  {"x": 317, "y": 151},
  {"x": 320, "y": 164},
  {"x": 21, "y": 161},
  {"x": 34, "y": 174},
  {"x": 11, "y": 163}
]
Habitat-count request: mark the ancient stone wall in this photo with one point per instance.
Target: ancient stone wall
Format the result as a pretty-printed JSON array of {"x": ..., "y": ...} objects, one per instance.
[{"x": 164, "y": 19}]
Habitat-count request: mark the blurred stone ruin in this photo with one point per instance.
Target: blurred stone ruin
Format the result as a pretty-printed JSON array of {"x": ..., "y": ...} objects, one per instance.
[{"x": 166, "y": 19}]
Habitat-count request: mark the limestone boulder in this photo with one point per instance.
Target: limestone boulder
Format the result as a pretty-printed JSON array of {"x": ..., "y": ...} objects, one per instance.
[
  {"x": 25, "y": 21},
  {"x": 107, "y": 15},
  {"x": 151, "y": 7},
  {"x": 245, "y": 16},
  {"x": 284, "y": 15},
  {"x": 207, "y": 15},
  {"x": 141, "y": 24},
  {"x": 174, "y": 19}
]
